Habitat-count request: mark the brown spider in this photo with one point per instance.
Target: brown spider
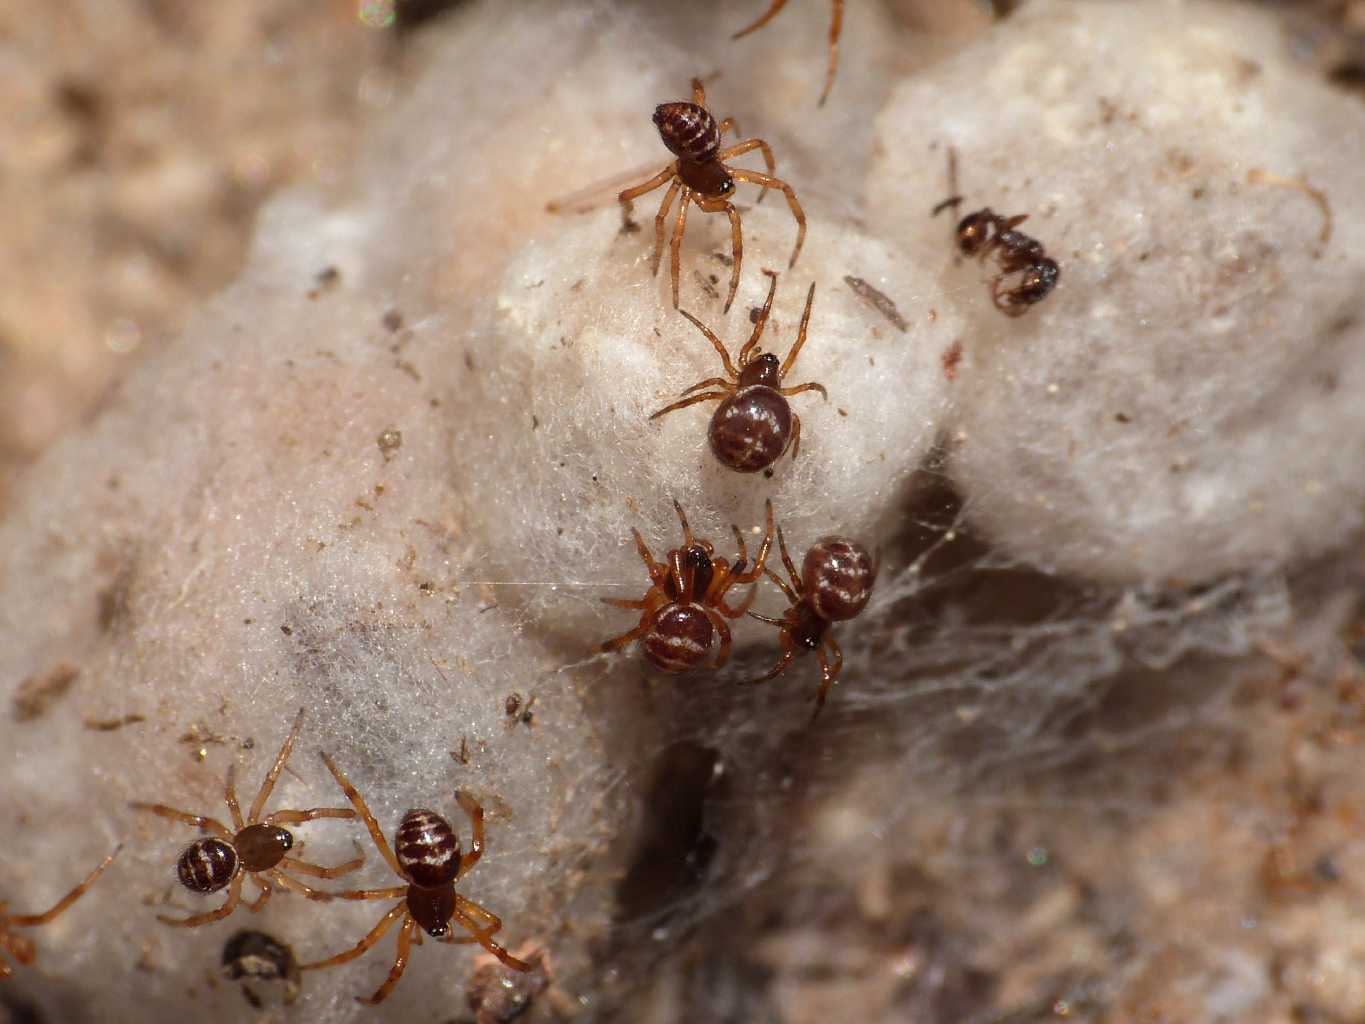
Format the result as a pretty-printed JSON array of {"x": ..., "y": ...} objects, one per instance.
[
  {"x": 753, "y": 425},
  {"x": 21, "y": 949},
  {"x": 257, "y": 848},
  {"x": 692, "y": 135},
  {"x": 834, "y": 584},
  {"x": 685, "y": 604},
  {"x": 986, "y": 233},
  {"x": 430, "y": 862},
  {"x": 836, "y": 24}
]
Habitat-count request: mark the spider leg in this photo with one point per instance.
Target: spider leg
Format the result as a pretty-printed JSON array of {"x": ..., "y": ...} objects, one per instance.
[
  {"x": 675, "y": 246},
  {"x": 736, "y": 253},
  {"x": 796, "y": 435},
  {"x": 754, "y": 178},
  {"x": 762, "y": 320},
  {"x": 483, "y": 938},
  {"x": 197, "y": 820},
  {"x": 32, "y": 920},
  {"x": 836, "y": 24},
  {"x": 400, "y": 963},
  {"x": 804, "y": 387},
  {"x": 391, "y": 893},
  {"x": 616, "y": 643},
  {"x": 234, "y": 897},
  {"x": 620, "y": 602},
  {"x": 827, "y": 674},
  {"x": 371, "y": 937},
  {"x": 715, "y": 343},
  {"x": 294, "y": 885},
  {"x": 682, "y": 518},
  {"x": 23, "y": 951},
  {"x": 474, "y": 812},
  {"x": 748, "y": 146},
  {"x": 303, "y": 867},
  {"x": 358, "y": 802},
  {"x": 768, "y": 16},
  {"x": 660, "y": 219},
  {"x": 709, "y": 382},
  {"x": 625, "y": 197},
  {"x": 258, "y": 804},
  {"x": 790, "y": 594},
  {"x": 698, "y": 92},
  {"x": 791, "y": 569},
  {"x": 684, "y": 403},
  {"x": 800, "y": 335},
  {"x": 723, "y": 655},
  {"x": 492, "y": 924},
  {"x": 788, "y": 652},
  {"x": 657, "y": 571},
  {"x": 230, "y": 795},
  {"x": 729, "y": 124},
  {"x": 757, "y": 571},
  {"x": 312, "y": 814},
  {"x": 261, "y": 900}
]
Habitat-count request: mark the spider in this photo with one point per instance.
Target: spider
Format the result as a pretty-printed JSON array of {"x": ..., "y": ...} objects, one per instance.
[
  {"x": 753, "y": 425},
  {"x": 836, "y": 24},
  {"x": 258, "y": 848},
  {"x": 21, "y": 949},
  {"x": 986, "y": 233},
  {"x": 429, "y": 860},
  {"x": 692, "y": 135},
  {"x": 834, "y": 584},
  {"x": 685, "y": 605}
]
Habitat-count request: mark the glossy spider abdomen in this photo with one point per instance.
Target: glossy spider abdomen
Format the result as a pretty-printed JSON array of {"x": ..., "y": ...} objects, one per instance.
[
  {"x": 679, "y": 638},
  {"x": 751, "y": 429},
  {"x": 837, "y": 576},
  {"x": 432, "y": 909},
  {"x": 688, "y": 130},
  {"x": 262, "y": 847},
  {"x": 207, "y": 865},
  {"x": 427, "y": 848}
]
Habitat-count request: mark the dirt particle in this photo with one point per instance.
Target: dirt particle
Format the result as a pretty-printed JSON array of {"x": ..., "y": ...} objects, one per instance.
[
  {"x": 38, "y": 693},
  {"x": 878, "y": 301}
]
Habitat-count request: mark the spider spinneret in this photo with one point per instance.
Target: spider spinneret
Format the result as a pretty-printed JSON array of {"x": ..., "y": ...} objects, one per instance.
[
  {"x": 703, "y": 178},
  {"x": 834, "y": 585},
  {"x": 427, "y": 855},
  {"x": 685, "y": 606},
  {"x": 256, "y": 847},
  {"x": 754, "y": 424}
]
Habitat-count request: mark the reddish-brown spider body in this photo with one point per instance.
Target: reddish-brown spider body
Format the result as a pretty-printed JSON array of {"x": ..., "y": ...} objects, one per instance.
[
  {"x": 257, "y": 848},
  {"x": 688, "y": 130},
  {"x": 426, "y": 854},
  {"x": 754, "y": 424},
  {"x": 700, "y": 177},
  {"x": 685, "y": 607},
  {"x": 834, "y": 585},
  {"x": 427, "y": 848}
]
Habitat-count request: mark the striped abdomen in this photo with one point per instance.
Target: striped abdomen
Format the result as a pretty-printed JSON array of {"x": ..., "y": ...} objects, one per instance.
[
  {"x": 679, "y": 638},
  {"x": 837, "y": 575},
  {"x": 206, "y": 865},
  {"x": 427, "y": 848},
  {"x": 689, "y": 132}
]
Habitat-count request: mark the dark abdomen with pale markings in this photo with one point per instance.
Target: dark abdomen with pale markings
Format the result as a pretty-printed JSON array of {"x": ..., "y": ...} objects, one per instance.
[
  {"x": 427, "y": 848},
  {"x": 838, "y": 575},
  {"x": 679, "y": 638},
  {"x": 688, "y": 130},
  {"x": 206, "y": 865},
  {"x": 751, "y": 429}
]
